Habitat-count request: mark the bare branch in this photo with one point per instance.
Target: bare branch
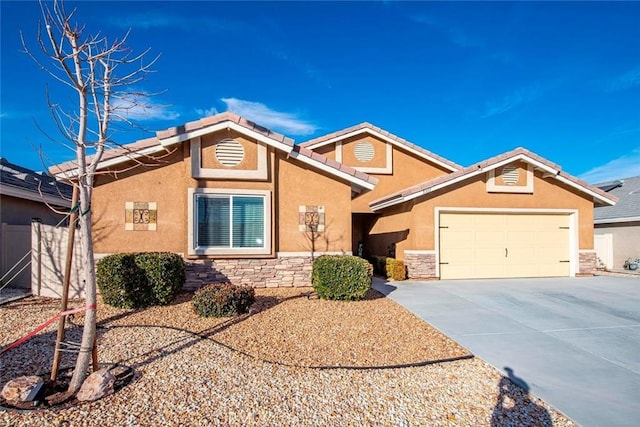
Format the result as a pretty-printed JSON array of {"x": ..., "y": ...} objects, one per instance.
[{"x": 94, "y": 69}]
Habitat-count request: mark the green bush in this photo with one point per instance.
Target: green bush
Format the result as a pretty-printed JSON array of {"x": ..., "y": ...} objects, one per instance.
[
  {"x": 135, "y": 280},
  {"x": 223, "y": 300},
  {"x": 338, "y": 277},
  {"x": 121, "y": 282},
  {"x": 395, "y": 269},
  {"x": 379, "y": 265},
  {"x": 165, "y": 273}
]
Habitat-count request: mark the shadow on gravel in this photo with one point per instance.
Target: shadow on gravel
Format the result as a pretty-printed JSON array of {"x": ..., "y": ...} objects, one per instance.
[
  {"x": 261, "y": 304},
  {"x": 514, "y": 405}
]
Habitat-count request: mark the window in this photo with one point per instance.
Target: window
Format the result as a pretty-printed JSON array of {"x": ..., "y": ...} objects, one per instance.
[{"x": 227, "y": 222}]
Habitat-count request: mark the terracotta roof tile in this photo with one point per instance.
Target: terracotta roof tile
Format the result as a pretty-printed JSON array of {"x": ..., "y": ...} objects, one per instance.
[
  {"x": 366, "y": 125},
  {"x": 219, "y": 118},
  {"x": 334, "y": 164},
  {"x": 135, "y": 147},
  {"x": 112, "y": 153}
]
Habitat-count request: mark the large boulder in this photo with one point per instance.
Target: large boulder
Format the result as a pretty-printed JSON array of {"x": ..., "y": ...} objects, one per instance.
[
  {"x": 18, "y": 389},
  {"x": 97, "y": 385}
]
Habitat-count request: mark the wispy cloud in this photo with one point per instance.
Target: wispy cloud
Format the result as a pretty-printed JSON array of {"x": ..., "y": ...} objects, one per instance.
[
  {"x": 625, "y": 166},
  {"x": 141, "y": 108},
  {"x": 155, "y": 20},
  {"x": 207, "y": 111},
  {"x": 287, "y": 123},
  {"x": 624, "y": 81},
  {"x": 509, "y": 102}
]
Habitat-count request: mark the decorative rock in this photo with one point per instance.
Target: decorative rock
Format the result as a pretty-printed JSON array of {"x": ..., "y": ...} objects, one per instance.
[
  {"x": 97, "y": 385},
  {"x": 18, "y": 389}
]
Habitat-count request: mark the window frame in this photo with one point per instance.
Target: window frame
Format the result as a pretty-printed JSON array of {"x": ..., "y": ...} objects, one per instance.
[{"x": 193, "y": 249}]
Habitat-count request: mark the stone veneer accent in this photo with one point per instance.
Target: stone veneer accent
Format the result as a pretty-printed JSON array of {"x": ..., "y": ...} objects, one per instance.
[
  {"x": 292, "y": 271},
  {"x": 587, "y": 262},
  {"x": 420, "y": 265}
]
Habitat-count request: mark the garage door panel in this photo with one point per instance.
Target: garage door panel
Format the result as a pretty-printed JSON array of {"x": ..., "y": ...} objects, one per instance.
[{"x": 504, "y": 245}]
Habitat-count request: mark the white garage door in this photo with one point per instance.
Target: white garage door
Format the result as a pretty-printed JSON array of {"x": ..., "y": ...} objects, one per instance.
[{"x": 474, "y": 246}]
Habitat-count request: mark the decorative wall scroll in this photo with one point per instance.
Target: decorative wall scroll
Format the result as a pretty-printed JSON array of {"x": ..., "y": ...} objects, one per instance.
[
  {"x": 311, "y": 218},
  {"x": 141, "y": 216}
]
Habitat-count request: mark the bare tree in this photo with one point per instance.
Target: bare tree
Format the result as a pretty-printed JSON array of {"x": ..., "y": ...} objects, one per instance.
[{"x": 101, "y": 73}]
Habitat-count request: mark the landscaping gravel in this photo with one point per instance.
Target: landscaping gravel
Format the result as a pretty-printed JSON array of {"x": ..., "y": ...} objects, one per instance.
[{"x": 253, "y": 370}]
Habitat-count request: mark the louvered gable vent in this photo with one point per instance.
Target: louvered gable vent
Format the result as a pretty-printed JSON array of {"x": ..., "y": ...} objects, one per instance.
[
  {"x": 229, "y": 152},
  {"x": 510, "y": 175},
  {"x": 364, "y": 151}
]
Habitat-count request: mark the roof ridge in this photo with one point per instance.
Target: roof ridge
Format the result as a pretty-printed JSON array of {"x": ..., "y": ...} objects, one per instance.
[{"x": 386, "y": 133}]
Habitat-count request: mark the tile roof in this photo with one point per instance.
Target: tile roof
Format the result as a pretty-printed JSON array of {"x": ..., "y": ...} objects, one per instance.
[
  {"x": 126, "y": 152},
  {"x": 401, "y": 141},
  {"x": 335, "y": 165},
  {"x": 220, "y": 118},
  {"x": 628, "y": 193},
  {"x": 32, "y": 182},
  {"x": 482, "y": 167}
]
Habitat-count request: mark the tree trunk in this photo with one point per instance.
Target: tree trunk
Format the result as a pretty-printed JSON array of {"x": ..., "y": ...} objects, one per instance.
[{"x": 89, "y": 329}]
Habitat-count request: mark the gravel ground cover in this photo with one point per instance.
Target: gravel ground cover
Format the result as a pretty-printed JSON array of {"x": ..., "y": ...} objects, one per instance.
[{"x": 257, "y": 370}]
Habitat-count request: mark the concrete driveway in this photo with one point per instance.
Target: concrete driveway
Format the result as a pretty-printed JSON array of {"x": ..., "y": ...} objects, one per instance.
[{"x": 574, "y": 341}]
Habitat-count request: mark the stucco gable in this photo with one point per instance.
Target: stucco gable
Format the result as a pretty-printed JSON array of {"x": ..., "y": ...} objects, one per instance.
[
  {"x": 368, "y": 128},
  {"x": 165, "y": 139},
  {"x": 551, "y": 170}
]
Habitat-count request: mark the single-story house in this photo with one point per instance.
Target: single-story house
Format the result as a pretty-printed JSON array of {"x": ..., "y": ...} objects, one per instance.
[
  {"x": 26, "y": 196},
  {"x": 245, "y": 204},
  {"x": 617, "y": 228}
]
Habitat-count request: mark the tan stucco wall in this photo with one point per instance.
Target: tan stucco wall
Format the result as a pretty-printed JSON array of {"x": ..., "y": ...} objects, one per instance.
[
  {"x": 327, "y": 151},
  {"x": 302, "y": 185},
  {"x": 208, "y": 154},
  {"x": 548, "y": 194},
  {"x": 407, "y": 169},
  {"x": 166, "y": 185},
  {"x": 379, "y": 159},
  {"x": 290, "y": 182}
]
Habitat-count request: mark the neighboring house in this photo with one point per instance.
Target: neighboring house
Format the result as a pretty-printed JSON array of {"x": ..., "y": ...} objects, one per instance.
[
  {"x": 24, "y": 197},
  {"x": 617, "y": 228},
  {"x": 245, "y": 204}
]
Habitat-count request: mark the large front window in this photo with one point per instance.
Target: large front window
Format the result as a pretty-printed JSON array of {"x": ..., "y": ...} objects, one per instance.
[{"x": 229, "y": 222}]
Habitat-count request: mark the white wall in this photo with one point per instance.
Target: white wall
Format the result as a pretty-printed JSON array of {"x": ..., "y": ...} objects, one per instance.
[
  {"x": 48, "y": 259},
  {"x": 626, "y": 241}
]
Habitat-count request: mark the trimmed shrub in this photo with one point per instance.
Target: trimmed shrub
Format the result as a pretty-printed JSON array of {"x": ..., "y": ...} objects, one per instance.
[
  {"x": 223, "y": 300},
  {"x": 341, "y": 277},
  {"x": 135, "y": 280},
  {"x": 395, "y": 269},
  {"x": 379, "y": 265},
  {"x": 165, "y": 274},
  {"x": 122, "y": 283}
]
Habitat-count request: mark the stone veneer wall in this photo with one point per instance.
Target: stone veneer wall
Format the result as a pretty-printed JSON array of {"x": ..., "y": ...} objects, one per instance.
[
  {"x": 587, "y": 263},
  {"x": 257, "y": 273},
  {"x": 420, "y": 265}
]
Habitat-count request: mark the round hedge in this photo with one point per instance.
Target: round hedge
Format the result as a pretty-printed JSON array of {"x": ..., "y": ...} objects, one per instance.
[
  {"x": 223, "y": 300},
  {"x": 341, "y": 277}
]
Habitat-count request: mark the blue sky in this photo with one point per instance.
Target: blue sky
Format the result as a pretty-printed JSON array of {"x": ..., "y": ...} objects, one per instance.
[{"x": 464, "y": 80}]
